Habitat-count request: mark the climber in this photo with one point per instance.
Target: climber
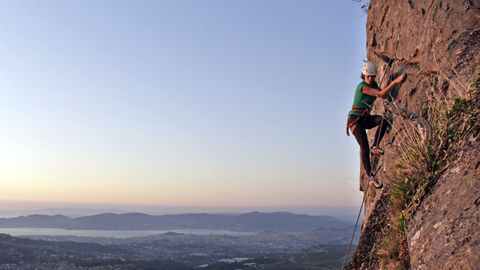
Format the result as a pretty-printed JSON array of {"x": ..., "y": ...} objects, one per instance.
[{"x": 359, "y": 118}]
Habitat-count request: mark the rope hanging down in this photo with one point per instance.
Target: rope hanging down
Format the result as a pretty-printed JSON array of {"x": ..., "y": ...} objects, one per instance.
[
  {"x": 358, "y": 218},
  {"x": 355, "y": 227}
]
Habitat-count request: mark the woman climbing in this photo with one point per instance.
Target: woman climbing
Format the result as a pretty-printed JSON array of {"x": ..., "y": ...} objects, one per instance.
[{"x": 359, "y": 118}]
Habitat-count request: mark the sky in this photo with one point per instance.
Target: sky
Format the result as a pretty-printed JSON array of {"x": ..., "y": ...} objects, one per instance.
[{"x": 182, "y": 103}]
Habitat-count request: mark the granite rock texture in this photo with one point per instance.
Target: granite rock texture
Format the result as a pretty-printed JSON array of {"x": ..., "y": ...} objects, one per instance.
[{"x": 437, "y": 44}]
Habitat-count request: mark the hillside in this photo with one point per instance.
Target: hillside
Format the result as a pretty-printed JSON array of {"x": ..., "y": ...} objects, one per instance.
[
  {"x": 427, "y": 215},
  {"x": 252, "y": 222},
  {"x": 268, "y": 250}
]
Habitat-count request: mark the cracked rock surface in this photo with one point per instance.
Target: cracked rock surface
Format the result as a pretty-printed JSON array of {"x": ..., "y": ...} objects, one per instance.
[{"x": 437, "y": 44}]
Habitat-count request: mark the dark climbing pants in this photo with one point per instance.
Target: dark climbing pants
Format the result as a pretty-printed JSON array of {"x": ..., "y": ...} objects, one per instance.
[{"x": 358, "y": 126}]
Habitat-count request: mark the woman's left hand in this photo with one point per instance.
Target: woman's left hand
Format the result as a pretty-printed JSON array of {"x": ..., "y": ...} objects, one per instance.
[{"x": 399, "y": 79}]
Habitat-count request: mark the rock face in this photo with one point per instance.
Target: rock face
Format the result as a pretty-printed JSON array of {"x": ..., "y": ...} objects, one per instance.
[
  {"x": 437, "y": 44},
  {"x": 444, "y": 233}
]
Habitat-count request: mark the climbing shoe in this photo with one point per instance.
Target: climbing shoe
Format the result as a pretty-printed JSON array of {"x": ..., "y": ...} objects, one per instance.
[
  {"x": 373, "y": 181},
  {"x": 377, "y": 150}
]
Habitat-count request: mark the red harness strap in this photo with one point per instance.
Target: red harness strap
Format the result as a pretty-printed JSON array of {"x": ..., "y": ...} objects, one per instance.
[
  {"x": 360, "y": 110},
  {"x": 353, "y": 124}
]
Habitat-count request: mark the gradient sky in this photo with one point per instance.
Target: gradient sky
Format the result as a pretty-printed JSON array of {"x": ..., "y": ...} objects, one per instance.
[{"x": 180, "y": 103}]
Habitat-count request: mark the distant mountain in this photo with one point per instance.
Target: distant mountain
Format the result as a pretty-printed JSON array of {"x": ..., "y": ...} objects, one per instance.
[
  {"x": 37, "y": 221},
  {"x": 252, "y": 222}
]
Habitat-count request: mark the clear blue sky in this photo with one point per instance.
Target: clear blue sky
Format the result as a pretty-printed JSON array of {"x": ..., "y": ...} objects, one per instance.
[{"x": 193, "y": 103}]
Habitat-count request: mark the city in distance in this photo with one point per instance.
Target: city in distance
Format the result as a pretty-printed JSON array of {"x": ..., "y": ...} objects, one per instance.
[{"x": 207, "y": 241}]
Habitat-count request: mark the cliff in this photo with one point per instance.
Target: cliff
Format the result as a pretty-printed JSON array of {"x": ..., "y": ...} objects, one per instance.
[{"x": 427, "y": 214}]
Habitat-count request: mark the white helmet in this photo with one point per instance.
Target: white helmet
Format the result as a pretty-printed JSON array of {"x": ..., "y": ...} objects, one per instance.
[{"x": 369, "y": 68}]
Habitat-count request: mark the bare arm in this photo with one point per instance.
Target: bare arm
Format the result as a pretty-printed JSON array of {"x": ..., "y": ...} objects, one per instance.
[{"x": 382, "y": 92}]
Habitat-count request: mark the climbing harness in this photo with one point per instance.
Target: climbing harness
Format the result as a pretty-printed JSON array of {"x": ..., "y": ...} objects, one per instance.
[{"x": 351, "y": 125}]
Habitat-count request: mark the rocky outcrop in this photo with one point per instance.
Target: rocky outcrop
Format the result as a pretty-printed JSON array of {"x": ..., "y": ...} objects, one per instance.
[
  {"x": 437, "y": 44},
  {"x": 444, "y": 232}
]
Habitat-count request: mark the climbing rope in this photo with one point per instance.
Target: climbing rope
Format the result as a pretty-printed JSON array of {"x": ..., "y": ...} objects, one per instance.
[
  {"x": 356, "y": 223},
  {"x": 355, "y": 227}
]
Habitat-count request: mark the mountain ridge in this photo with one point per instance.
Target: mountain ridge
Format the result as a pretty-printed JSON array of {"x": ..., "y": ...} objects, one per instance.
[{"x": 251, "y": 221}]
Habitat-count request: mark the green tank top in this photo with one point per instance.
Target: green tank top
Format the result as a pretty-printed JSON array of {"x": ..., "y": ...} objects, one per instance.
[{"x": 361, "y": 100}]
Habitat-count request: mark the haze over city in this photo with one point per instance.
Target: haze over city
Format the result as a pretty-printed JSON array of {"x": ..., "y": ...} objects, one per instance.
[{"x": 179, "y": 106}]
